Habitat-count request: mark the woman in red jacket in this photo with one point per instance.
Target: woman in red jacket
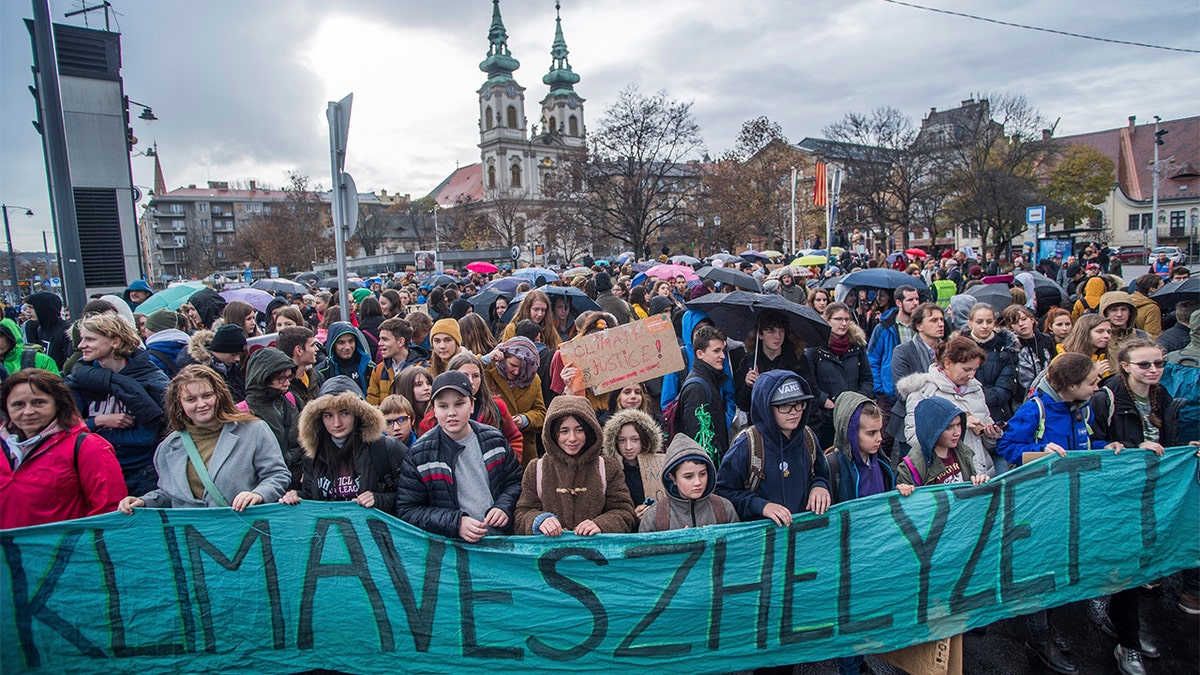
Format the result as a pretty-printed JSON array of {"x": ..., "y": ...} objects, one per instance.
[{"x": 54, "y": 469}]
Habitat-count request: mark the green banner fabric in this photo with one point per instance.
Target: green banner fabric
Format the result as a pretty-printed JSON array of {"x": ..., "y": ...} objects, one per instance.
[{"x": 282, "y": 589}]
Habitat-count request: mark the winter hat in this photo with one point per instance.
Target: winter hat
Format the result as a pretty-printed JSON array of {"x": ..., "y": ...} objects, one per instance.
[
  {"x": 229, "y": 339},
  {"x": 789, "y": 391},
  {"x": 976, "y": 272},
  {"x": 460, "y": 308},
  {"x": 603, "y": 282},
  {"x": 446, "y": 327},
  {"x": 162, "y": 319},
  {"x": 659, "y": 304},
  {"x": 360, "y": 294}
]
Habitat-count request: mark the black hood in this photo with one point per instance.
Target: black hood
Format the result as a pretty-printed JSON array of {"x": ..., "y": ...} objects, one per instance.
[{"x": 48, "y": 307}]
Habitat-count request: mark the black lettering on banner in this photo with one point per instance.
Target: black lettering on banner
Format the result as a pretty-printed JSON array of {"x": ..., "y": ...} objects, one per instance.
[
  {"x": 547, "y": 566},
  {"x": 922, "y": 548},
  {"x": 694, "y": 550},
  {"x": 28, "y": 608},
  {"x": 846, "y": 624},
  {"x": 1010, "y": 588},
  {"x": 1072, "y": 465},
  {"x": 467, "y": 598},
  {"x": 960, "y": 600},
  {"x": 1149, "y": 521},
  {"x": 787, "y": 633},
  {"x": 420, "y": 616},
  {"x": 180, "y": 577},
  {"x": 116, "y": 623},
  {"x": 720, "y": 590},
  {"x": 198, "y": 545},
  {"x": 357, "y": 568}
]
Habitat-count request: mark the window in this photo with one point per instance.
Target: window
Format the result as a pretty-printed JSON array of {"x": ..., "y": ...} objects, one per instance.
[
  {"x": 1178, "y": 223},
  {"x": 553, "y": 124},
  {"x": 572, "y": 126},
  {"x": 491, "y": 177},
  {"x": 266, "y": 208},
  {"x": 487, "y": 118},
  {"x": 1140, "y": 221},
  {"x": 202, "y": 207},
  {"x": 515, "y": 172},
  {"x": 220, "y": 254},
  {"x": 204, "y": 222},
  {"x": 512, "y": 117},
  {"x": 175, "y": 208},
  {"x": 258, "y": 208},
  {"x": 220, "y": 239},
  {"x": 180, "y": 241}
]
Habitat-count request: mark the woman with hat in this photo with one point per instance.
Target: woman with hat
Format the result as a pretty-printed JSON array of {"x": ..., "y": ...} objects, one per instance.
[{"x": 511, "y": 371}]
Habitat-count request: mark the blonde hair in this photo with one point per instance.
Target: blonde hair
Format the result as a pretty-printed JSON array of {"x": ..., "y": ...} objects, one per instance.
[
  {"x": 112, "y": 326},
  {"x": 227, "y": 410}
]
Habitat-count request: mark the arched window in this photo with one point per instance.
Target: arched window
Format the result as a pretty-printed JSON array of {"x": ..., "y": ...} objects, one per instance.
[
  {"x": 491, "y": 177},
  {"x": 515, "y": 170},
  {"x": 572, "y": 126},
  {"x": 512, "y": 117},
  {"x": 487, "y": 116}
]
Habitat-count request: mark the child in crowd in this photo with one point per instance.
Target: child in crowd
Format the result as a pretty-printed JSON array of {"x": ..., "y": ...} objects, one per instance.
[
  {"x": 939, "y": 455},
  {"x": 398, "y": 418},
  {"x": 689, "y": 479}
]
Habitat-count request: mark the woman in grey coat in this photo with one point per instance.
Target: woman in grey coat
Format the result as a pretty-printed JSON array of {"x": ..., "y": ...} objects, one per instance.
[{"x": 233, "y": 459}]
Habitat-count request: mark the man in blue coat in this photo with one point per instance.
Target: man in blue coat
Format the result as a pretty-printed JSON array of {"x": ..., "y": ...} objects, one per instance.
[{"x": 894, "y": 329}]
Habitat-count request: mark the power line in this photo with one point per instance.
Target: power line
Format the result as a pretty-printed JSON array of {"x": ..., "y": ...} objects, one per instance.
[{"x": 1044, "y": 30}]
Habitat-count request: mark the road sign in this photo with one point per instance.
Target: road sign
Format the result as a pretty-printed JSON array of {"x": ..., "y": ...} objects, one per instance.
[
  {"x": 55, "y": 281},
  {"x": 349, "y": 204},
  {"x": 274, "y": 272},
  {"x": 1035, "y": 215},
  {"x": 515, "y": 252}
]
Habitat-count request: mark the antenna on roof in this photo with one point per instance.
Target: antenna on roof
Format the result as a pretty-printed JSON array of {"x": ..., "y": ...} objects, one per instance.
[{"x": 106, "y": 5}]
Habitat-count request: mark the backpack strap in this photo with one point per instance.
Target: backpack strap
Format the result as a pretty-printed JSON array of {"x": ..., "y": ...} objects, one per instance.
[
  {"x": 1041, "y": 427},
  {"x": 834, "y": 460},
  {"x": 810, "y": 439},
  {"x": 912, "y": 469},
  {"x": 757, "y": 458},
  {"x": 79, "y": 444},
  {"x": 662, "y": 516},
  {"x": 202, "y": 470},
  {"x": 720, "y": 514},
  {"x": 172, "y": 367}
]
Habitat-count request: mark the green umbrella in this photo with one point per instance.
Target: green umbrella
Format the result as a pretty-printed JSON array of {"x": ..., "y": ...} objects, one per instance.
[{"x": 170, "y": 298}]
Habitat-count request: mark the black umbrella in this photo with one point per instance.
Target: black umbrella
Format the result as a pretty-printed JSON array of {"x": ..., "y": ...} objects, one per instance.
[
  {"x": 1177, "y": 291},
  {"x": 307, "y": 277},
  {"x": 580, "y": 302},
  {"x": 332, "y": 282},
  {"x": 996, "y": 295},
  {"x": 485, "y": 299},
  {"x": 728, "y": 275},
  {"x": 1049, "y": 293},
  {"x": 279, "y": 286},
  {"x": 440, "y": 280},
  {"x": 882, "y": 278},
  {"x": 737, "y": 314}
]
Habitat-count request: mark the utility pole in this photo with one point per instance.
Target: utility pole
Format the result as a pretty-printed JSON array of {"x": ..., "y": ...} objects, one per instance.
[
  {"x": 345, "y": 193},
  {"x": 12, "y": 257},
  {"x": 792, "y": 250},
  {"x": 1154, "y": 202}
]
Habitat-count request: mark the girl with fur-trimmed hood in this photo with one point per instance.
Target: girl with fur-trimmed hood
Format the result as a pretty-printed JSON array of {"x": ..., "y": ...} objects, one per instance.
[
  {"x": 573, "y": 487},
  {"x": 840, "y": 366},
  {"x": 688, "y": 478},
  {"x": 634, "y": 439},
  {"x": 346, "y": 455}
]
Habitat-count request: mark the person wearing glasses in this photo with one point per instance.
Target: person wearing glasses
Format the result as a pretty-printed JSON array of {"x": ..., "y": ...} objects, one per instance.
[
  {"x": 840, "y": 366},
  {"x": 398, "y": 418}
]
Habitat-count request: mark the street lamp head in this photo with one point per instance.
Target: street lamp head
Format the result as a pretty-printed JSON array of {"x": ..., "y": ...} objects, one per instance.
[
  {"x": 28, "y": 213},
  {"x": 148, "y": 115}
]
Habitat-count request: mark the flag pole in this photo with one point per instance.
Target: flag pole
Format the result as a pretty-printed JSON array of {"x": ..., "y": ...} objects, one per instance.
[{"x": 793, "y": 249}]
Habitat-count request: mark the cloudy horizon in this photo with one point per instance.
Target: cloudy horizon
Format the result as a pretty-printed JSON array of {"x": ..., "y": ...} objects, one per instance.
[{"x": 240, "y": 89}]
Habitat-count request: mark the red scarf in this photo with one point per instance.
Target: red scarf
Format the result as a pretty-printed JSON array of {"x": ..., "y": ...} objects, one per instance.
[{"x": 839, "y": 345}]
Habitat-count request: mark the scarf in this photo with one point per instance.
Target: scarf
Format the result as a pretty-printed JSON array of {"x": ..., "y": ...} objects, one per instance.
[
  {"x": 523, "y": 349},
  {"x": 839, "y": 345},
  {"x": 18, "y": 450}
]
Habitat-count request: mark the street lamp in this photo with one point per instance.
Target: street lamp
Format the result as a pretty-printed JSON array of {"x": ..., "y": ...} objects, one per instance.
[
  {"x": 12, "y": 256},
  {"x": 147, "y": 112}
]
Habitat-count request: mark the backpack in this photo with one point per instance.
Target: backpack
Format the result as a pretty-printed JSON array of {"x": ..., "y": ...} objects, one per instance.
[
  {"x": 29, "y": 357},
  {"x": 672, "y": 419},
  {"x": 758, "y": 455},
  {"x": 662, "y": 513},
  {"x": 603, "y": 476},
  {"x": 172, "y": 367}
]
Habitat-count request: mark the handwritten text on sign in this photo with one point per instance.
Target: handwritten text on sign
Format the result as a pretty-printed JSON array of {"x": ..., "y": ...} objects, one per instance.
[
  {"x": 626, "y": 354},
  {"x": 333, "y": 585}
]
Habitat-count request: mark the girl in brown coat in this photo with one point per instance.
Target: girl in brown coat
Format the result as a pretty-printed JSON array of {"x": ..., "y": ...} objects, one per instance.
[{"x": 573, "y": 486}]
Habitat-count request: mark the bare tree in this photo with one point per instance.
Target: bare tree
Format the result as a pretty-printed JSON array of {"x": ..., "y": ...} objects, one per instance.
[
  {"x": 374, "y": 228},
  {"x": 637, "y": 182},
  {"x": 293, "y": 235}
]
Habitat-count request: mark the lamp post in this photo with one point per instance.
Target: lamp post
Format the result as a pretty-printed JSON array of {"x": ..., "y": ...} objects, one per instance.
[
  {"x": 12, "y": 255},
  {"x": 1158, "y": 140},
  {"x": 437, "y": 239}
]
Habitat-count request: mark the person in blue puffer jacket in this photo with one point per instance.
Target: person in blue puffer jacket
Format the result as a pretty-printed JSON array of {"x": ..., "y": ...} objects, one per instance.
[{"x": 349, "y": 355}]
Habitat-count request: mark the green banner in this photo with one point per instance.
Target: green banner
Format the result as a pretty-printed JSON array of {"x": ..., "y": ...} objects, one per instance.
[{"x": 279, "y": 589}]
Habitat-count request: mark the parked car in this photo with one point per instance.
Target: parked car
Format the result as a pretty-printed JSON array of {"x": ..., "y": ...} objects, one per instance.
[
  {"x": 1131, "y": 255},
  {"x": 1173, "y": 254}
]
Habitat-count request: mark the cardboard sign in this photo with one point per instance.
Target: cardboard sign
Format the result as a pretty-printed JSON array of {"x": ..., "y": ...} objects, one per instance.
[
  {"x": 940, "y": 657},
  {"x": 623, "y": 355}
]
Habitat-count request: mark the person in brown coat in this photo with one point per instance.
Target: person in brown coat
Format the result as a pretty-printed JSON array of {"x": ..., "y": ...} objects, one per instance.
[
  {"x": 511, "y": 371},
  {"x": 573, "y": 487}
]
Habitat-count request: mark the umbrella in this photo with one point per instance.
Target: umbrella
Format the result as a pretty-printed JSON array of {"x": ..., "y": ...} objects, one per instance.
[
  {"x": 669, "y": 272},
  {"x": 807, "y": 260},
  {"x": 882, "y": 278},
  {"x": 737, "y": 314},
  {"x": 730, "y": 276},
  {"x": 580, "y": 302},
  {"x": 996, "y": 295},
  {"x": 484, "y": 299},
  {"x": 256, "y": 298},
  {"x": 532, "y": 273},
  {"x": 836, "y": 250},
  {"x": 439, "y": 280},
  {"x": 916, "y": 253},
  {"x": 643, "y": 266},
  {"x": 306, "y": 277},
  {"x": 684, "y": 260},
  {"x": 172, "y": 297},
  {"x": 1166, "y": 297},
  {"x": 505, "y": 284},
  {"x": 330, "y": 282},
  {"x": 578, "y": 272},
  {"x": 482, "y": 267},
  {"x": 754, "y": 256},
  {"x": 725, "y": 258},
  {"x": 604, "y": 263},
  {"x": 892, "y": 258},
  {"x": 771, "y": 253},
  {"x": 1048, "y": 292},
  {"x": 626, "y": 257},
  {"x": 279, "y": 286}
]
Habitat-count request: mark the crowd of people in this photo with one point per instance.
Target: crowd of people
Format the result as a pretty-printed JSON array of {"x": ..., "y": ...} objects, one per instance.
[{"x": 462, "y": 417}]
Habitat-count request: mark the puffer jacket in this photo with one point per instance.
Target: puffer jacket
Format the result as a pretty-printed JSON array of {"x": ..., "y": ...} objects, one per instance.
[
  {"x": 1048, "y": 419},
  {"x": 709, "y": 509},
  {"x": 790, "y": 487},
  {"x": 1034, "y": 357},
  {"x": 360, "y": 365},
  {"x": 648, "y": 472},
  {"x": 15, "y": 357},
  {"x": 849, "y": 477},
  {"x": 377, "y": 460},
  {"x": 198, "y": 351},
  {"x": 937, "y": 415},
  {"x": 165, "y": 346},
  {"x": 574, "y": 488},
  {"x": 53, "y": 484},
  {"x": 273, "y": 406},
  {"x": 998, "y": 374},
  {"x": 427, "y": 494},
  {"x": 139, "y": 389},
  {"x": 934, "y": 383},
  {"x": 1149, "y": 316},
  {"x": 1089, "y": 299}
]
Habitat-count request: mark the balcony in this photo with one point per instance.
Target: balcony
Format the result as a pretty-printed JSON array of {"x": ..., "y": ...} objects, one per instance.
[{"x": 222, "y": 226}]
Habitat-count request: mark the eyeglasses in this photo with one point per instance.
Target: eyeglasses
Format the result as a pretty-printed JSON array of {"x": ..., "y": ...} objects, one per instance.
[
  {"x": 788, "y": 408},
  {"x": 1147, "y": 365},
  {"x": 396, "y": 421}
]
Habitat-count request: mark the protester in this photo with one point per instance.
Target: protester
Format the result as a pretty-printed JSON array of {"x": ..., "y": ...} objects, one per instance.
[
  {"x": 1036, "y": 349},
  {"x": 1177, "y": 336},
  {"x": 16, "y": 355},
  {"x": 49, "y": 329},
  {"x": 1091, "y": 336},
  {"x": 939, "y": 456},
  {"x": 794, "y": 476},
  {"x": 1118, "y": 307},
  {"x": 391, "y": 304},
  {"x": 445, "y": 339},
  {"x": 399, "y": 420},
  {"x": 416, "y": 385},
  {"x": 702, "y": 407},
  {"x": 894, "y": 329},
  {"x": 769, "y": 348},
  {"x": 349, "y": 355},
  {"x": 347, "y": 457},
  {"x": 300, "y": 345},
  {"x": 1089, "y": 299},
  {"x": 819, "y": 299},
  {"x": 840, "y": 366},
  {"x": 789, "y": 289},
  {"x": 238, "y": 313},
  {"x": 572, "y": 487},
  {"x": 222, "y": 351},
  {"x": 488, "y": 409},
  {"x": 535, "y": 307},
  {"x": 639, "y": 300},
  {"x": 395, "y": 356},
  {"x": 630, "y": 397},
  {"x": 1149, "y": 316},
  {"x": 952, "y": 377},
  {"x": 914, "y": 356},
  {"x": 164, "y": 340},
  {"x": 269, "y": 374},
  {"x": 55, "y": 470},
  {"x": 634, "y": 439},
  {"x": 609, "y": 302},
  {"x": 136, "y": 293},
  {"x": 370, "y": 316},
  {"x": 689, "y": 480},
  {"x": 461, "y": 479},
  {"x": 511, "y": 371},
  {"x": 217, "y": 455},
  {"x": 1057, "y": 324},
  {"x": 998, "y": 373}
]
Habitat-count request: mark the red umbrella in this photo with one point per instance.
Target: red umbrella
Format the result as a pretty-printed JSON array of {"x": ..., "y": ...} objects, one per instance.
[
  {"x": 454, "y": 272},
  {"x": 482, "y": 267},
  {"x": 916, "y": 253}
]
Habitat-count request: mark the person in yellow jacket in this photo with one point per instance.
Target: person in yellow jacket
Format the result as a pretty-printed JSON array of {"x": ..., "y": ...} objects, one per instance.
[
  {"x": 1089, "y": 299},
  {"x": 943, "y": 288}
]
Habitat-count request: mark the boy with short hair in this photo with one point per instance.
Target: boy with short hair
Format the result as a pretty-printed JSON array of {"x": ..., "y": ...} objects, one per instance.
[
  {"x": 395, "y": 335},
  {"x": 701, "y": 404},
  {"x": 349, "y": 355},
  {"x": 300, "y": 345},
  {"x": 461, "y": 479},
  {"x": 689, "y": 478}
]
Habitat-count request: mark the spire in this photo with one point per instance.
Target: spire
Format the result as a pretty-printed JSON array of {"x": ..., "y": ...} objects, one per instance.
[
  {"x": 499, "y": 64},
  {"x": 160, "y": 183},
  {"x": 561, "y": 78}
]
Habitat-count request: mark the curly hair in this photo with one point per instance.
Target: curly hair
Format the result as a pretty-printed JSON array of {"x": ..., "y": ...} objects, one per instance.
[
  {"x": 112, "y": 326},
  {"x": 195, "y": 373}
]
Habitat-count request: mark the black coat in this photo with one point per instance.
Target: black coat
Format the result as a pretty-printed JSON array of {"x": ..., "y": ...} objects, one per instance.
[
  {"x": 1124, "y": 423},
  {"x": 377, "y": 465},
  {"x": 833, "y": 375},
  {"x": 998, "y": 375},
  {"x": 694, "y": 395},
  {"x": 787, "y": 360}
]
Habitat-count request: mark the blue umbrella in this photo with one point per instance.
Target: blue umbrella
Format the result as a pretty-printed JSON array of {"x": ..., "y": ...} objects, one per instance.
[
  {"x": 440, "y": 280},
  {"x": 882, "y": 278},
  {"x": 505, "y": 284},
  {"x": 580, "y": 302},
  {"x": 532, "y": 273}
]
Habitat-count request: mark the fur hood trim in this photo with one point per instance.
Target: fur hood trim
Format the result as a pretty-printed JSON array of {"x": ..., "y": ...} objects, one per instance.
[
  {"x": 644, "y": 421},
  {"x": 370, "y": 420},
  {"x": 931, "y": 379},
  {"x": 198, "y": 346}
]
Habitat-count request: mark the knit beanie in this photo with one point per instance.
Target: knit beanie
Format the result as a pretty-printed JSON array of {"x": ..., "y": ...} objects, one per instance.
[
  {"x": 446, "y": 327},
  {"x": 360, "y": 294},
  {"x": 162, "y": 319},
  {"x": 229, "y": 339},
  {"x": 460, "y": 308},
  {"x": 603, "y": 282}
]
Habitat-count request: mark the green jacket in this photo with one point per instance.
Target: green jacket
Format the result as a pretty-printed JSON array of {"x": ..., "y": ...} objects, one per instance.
[{"x": 12, "y": 360}]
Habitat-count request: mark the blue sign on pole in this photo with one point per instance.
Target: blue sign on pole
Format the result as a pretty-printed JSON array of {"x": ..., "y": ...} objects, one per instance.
[{"x": 1035, "y": 215}]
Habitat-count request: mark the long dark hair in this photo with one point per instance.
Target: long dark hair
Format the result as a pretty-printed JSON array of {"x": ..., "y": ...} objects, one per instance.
[
  {"x": 485, "y": 409},
  {"x": 404, "y": 386},
  {"x": 1156, "y": 407}
]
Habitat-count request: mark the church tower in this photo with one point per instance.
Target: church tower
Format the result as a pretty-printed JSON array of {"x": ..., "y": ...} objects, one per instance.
[
  {"x": 562, "y": 109},
  {"x": 503, "y": 130}
]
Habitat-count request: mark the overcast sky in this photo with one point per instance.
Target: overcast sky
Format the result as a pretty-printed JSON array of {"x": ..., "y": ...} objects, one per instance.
[{"x": 240, "y": 87}]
